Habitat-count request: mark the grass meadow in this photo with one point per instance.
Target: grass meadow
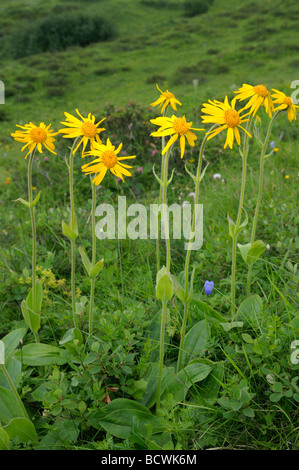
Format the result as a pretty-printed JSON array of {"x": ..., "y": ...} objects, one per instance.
[{"x": 76, "y": 389}]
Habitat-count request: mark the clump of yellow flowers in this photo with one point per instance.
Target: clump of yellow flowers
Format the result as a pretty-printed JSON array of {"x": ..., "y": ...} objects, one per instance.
[{"x": 236, "y": 119}]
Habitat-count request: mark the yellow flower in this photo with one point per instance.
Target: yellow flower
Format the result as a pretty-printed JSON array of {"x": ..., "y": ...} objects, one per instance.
[
  {"x": 8, "y": 180},
  {"x": 287, "y": 177},
  {"x": 107, "y": 160},
  {"x": 227, "y": 117},
  {"x": 176, "y": 127},
  {"x": 165, "y": 99},
  {"x": 259, "y": 96},
  {"x": 85, "y": 127},
  {"x": 35, "y": 137},
  {"x": 285, "y": 102}
]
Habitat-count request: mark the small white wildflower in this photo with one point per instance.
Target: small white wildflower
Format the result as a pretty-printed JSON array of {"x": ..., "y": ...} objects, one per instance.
[{"x": 217, "y": 176}]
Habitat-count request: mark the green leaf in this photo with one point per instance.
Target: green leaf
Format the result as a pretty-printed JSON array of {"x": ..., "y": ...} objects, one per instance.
[
  {"x": 9, "y": 406},
  {"x": 71, "y": 335},
  {"x": 11, "y": 341},
  {"x": 67, "y": 232},
  {"x": 196, "y": 341},
  {"x": 251, "y": 252},
  {"x": 248, "y": 412},
  {"x": 250, "y": 309},
  {"x": 39, "y": 354},
  {"x": 96, "y": 269},
  {"x": 164, "y": 287},
  {"x": 231, "y": 226},
  {"x": 31, "y": 318},
  {"x": 206, "y": 309},
  {"x": 4, "y": 440},
  {"x": 178, "y": 288},
  {"x": 85, "y": 260},
  {"x": 22, "y": 429},
  {"x": 229, "y": 325},
  {"x": 194, "y": 372},
  {"x": 35, "y": 201},
  {"x": 26, "y": 203},
  {"x": 208, "y": 389},
  {"x": 117, "y": 418}
]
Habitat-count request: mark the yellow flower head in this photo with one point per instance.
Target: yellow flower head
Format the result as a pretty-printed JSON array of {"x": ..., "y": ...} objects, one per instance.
[
  {"x": 165, "y": 99},
  {"x": 84, "y": 127},
  {"x": 177, "y": 127},
  {"x": 35, "y": 137},
  {"x": 285, "y": 102},
  {"x": 107, "y": 159},
  {"x": 259, "y": 96},
  {"x": 227, "y": 117}
]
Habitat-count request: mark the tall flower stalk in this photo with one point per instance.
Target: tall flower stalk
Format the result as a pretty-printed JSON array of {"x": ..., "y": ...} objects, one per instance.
[
  {"x": 263, "y": 157},
  {"x": 197, "y": 179},
  {"x": 235, "y": 228},
  {"x": 34, "y": 137},
  {"x": 33, "y": 230},
  {"x": 93, "y": 256},
  {"x": 163, "y": 274}
]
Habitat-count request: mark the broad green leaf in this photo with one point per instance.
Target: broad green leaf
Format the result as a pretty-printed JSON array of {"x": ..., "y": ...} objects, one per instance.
[
  {"x": 231, "y": 226},
  {"x": 31, "y": 318},
  {"x": 229, "y": 325},
  {"x": 208, "y": 390},
  {"x": 71, "y": 335},
  {"x": 206, "y": 309},
  {"x": 178, "y": 288},
  {"x": 194, "y": 372},
  {"x": 22, "y": 429},
  {"x": 117, "y": 418},
  {"x": 164, "y": 287},
  {"x": 14, "y": 369},
  {"x": 9, "y": 406},
  {"x": 255, "y": 251},
  {"x": 244, "y": 250},
  {"x": 67, "y": 232},
  {"x": 4, "y": 440},
  {"x": 251, "y": 252},
  {"x": 96, "y": 269},
  {"x": 11, "y": 341},
  {"x": 196, "y": 341},
  {"x": 85, "y": 260},
  {"x": 36, "y": 199},
  {"x": 26, "y": 203},
  {"x": 39, "y": 354},
  {"x": 153, "y": 333},
  {"x": 151, "y": 377},
  {"x": 250, "y": 309}
]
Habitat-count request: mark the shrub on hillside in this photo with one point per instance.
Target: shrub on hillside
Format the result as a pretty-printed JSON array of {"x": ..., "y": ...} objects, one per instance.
[
  {"x": 57, "y": 33},
  {"x": 196, "y": 7}
]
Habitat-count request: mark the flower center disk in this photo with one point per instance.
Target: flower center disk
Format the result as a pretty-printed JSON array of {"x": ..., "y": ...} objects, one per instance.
[
  {"x": 38, "y": 135},
  {"x": 232, "y": 118},
  {"x": 288, "y": 100},
  {"x": 109, "y": 158},
  {"x": 261, "y": 90},
  {"x": 180, "y": 126},
  {"x": 89, "y": 129},
  {"x": 168, "y": 95}
]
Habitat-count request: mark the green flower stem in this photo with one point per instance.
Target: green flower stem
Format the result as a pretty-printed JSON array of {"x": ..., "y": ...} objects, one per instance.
[
  {"x": 260, "y": 192},
  {"x": 238, "y": 222},
  {"x": 33, "y": 229},
  {"x": 14, "y": 390},
  {"x": 168, "y": 261},
  {"x": 160, "y": 201},
  {"x": 93, "y": 260},
  {"x": 188, "y": 254},
  {"x": 73, "y": 226},
  {"x": 161, "y": 354}
]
